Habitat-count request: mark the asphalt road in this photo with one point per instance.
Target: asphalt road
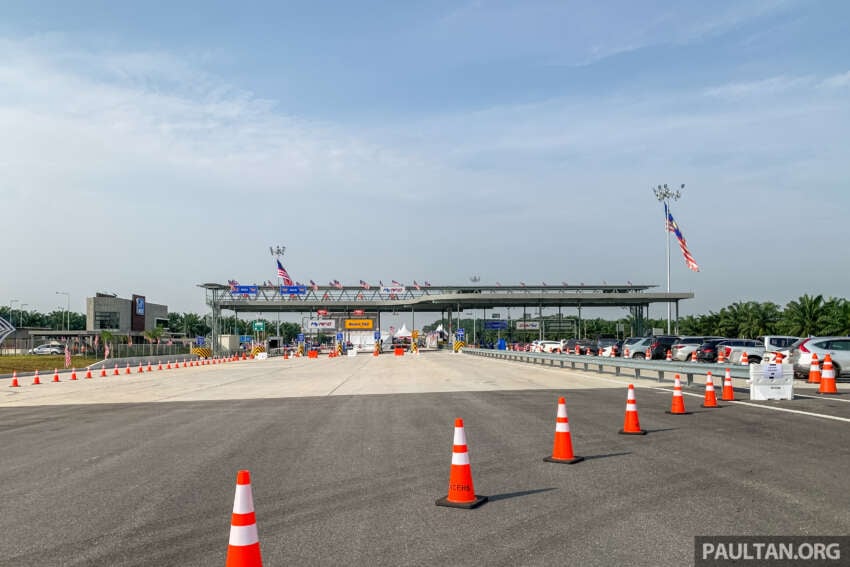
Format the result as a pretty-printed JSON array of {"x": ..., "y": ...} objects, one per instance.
[{"x": 344, "y": 474}]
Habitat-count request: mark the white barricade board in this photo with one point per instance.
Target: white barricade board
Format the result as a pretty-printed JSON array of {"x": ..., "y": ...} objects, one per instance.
[
  {"x": 262, "y": 356},
  {"x": 352, "y": 351},
  {"x": 771, "y": 382}
]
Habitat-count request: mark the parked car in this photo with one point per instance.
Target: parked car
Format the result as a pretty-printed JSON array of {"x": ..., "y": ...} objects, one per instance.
[
  {"x": 48, "y": 349},
  {"x": 837, "y": 347},
  {"x": 637, "y": 346},
  {"x": 707, "y": 351},
  {"x": 777, "y": 343},
  {"x": 549, "y": 346},
  {"x": 660, "y": 345},
  {"x": 733, "y": 349},
  {"x": 684, "y": 348}
]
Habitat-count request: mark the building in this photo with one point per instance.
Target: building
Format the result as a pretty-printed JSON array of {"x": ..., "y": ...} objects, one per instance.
[{"x": 124, "y": 316}]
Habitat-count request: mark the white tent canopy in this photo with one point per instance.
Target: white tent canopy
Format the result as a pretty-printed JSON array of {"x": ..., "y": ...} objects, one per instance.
[{"x": 403, "y": 332}]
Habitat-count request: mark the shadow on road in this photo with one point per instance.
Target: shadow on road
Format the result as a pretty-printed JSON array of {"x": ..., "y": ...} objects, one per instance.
[
  {"x": 507, "y": 495},
  {"x": 589, "y": 457}
]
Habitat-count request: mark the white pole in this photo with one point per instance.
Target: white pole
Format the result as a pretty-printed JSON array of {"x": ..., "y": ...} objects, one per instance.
[{"x": 667, "y": 233}]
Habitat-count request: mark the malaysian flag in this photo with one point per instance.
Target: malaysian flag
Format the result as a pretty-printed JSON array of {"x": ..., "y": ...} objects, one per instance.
[
  {"x": 105, "y": 350},
  {"x": 427, "y": 283},
  {"x": 398, "y": 283},
  {"x": 380, "y": 283},
  {"x": 233, "y": 284},
  {"x": 674, "y": 228},
  {"x": 335, "y": 284},
  {"x": 283, "y": 274},
  {"x": 314, "y": 285},
  {"x": 67, "y": 357},
  {"x": 96, "y": 341},
  {"x": 364, "y": 285},
  {"x": 416, "y": 285}
]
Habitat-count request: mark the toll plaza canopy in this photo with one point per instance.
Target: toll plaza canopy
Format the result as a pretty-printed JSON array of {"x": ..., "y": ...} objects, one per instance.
[{"x": 270, "y": 299}]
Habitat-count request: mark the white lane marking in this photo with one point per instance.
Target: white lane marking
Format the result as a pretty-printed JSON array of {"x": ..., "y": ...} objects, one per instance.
[
  {"x": 812, "y": 414},
  {"x": 846, "y": 401}
]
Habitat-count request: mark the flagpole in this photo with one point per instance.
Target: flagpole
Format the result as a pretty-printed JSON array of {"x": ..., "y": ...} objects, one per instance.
[{"x": 664, "y": 194}]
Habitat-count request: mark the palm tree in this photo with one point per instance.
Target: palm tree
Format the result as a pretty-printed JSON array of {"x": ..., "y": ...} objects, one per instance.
[
  {"x": 804, "y": 316},
  {"x": 758, "y": 319},
  {"x": 153, "y": 335}
]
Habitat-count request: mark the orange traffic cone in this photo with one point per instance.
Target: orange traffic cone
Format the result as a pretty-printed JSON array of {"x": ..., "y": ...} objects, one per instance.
[
  {"x": 721, "y": 355},
  {"x": 159, "y": 366},
  {"x": 140, "y": 370},
  {"x": 184, "y": 363},
  {"x": 779, "y": 358},
  {"x": 461, "y": 491},
  {"x": 745, "y": 358},
  {"x": 626, "y": 353},
  {"x": 694, "y": 356},
  {"x": 677, "y": 407},
  {"x": 56, "y": 375},
  {"x": 243, "y": 549},
  {"x": 149, "y": 367},
  {"x": 648, "y": 355},
  {"x": 669, "y": 355},
  {"x": 728, "y": 390},
  {"x": 578, "y": 349},
  {"x": 827, "y": 377},
  {"x": 631, "y": 424},
  {"x": 35, "y": 379},
  {"x": 814, "y": 370},
  {"x": 128, "y": 369},
  {"x": 168, "y": 365},
  {"x": 14, "y": 383},
  {"x": 710, "y": 396},
  {"x": 116, "y": 370},
  {"x": 562, "y": 450},
  {"x": 73, "y": 373},
  {"x": 103, "y": 372},
  {"x": 88, "y": 372}
]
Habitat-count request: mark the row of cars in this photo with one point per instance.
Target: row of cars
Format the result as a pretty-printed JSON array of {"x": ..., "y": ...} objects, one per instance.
[{"x": 794, "y": 350}]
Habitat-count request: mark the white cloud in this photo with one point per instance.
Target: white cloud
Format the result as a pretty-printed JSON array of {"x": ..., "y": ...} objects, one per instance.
[{"x": 838, "y": 81}]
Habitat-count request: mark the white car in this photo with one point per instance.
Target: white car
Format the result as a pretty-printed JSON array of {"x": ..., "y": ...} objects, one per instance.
[
  {"x": 549, "y": 346},
  {"x": 684, "y": 348}
]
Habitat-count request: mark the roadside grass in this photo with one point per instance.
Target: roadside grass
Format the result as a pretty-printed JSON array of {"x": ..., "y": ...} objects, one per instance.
[{"x": 41, "y": 362}]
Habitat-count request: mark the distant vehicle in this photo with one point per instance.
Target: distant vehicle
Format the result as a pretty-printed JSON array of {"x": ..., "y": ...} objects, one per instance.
[
  {"x": 48, "y": 349},
  {"x": 707, "y": 351},
  {"x": 684, "y": 348},
  {"x": 549, "y": 346},
  {"x": 837, "y": 347},
  {"x": 777, "y": 343},
  {"x": 637, "y": 346},
  {"x": 660, "y": 345},
  {"x": 733, "y": 349}
]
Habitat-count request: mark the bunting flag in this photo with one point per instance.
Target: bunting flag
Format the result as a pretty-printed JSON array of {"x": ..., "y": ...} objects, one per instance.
[
  {"x": 283, "y": 274},
  {"x": 397, "y": 283},
  {"x": 673, "y": 227},
  {"x": 314, "y": 285},
  {"x": 364, "y": 285},
  {"x": 427, "y": 283},
  {"x": 233, "y": 284},
  {"x": 416, "y": 285},
  {"x": 565, "y": 284},
  {"x": 67, "y": 357},
  {"x": 105, "y": 350},
  {"x": 337, "y": 284}
]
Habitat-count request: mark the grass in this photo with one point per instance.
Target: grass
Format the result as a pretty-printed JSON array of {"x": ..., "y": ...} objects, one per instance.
[{"x": 41, "y": 362}]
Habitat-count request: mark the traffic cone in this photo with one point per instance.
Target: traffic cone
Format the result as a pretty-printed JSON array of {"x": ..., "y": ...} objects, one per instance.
[
  {"x": 677, "y": 407},
  {"x": 814, "y": 370},
  {"x": 243, "y": 549},
  {"x": 694, "y": 356},
  {"x": 562, "y": 450},
  {"x": 168, "y": 365},
  {"x": 631, "y": 424},
  {"x": 827, "y": 377},
  {"x": 56, "y": 375},
  {"x": 140, "y": 370},
  {"x": 648, "y": 355},
  {"x": 669, "y": 355},
  {"x": 745, "y": 358},
  {"x": 779, "y": 358},
  {"x": 14, "y": 383},
  {"x": 710, "y": 396},
  {"x": 103, "y": 372},
  {"x": 128, "y": 371},
  {"x": 461, "y": 490},
  {"x": 184, "y": 363},
  {"x": 35, "y": 380},
  {"x": 149, "y": 367},
  {"x": 88, "y": 372},
  {"x": 116, "y": 370},
  {"x": 728, "y": 390},
  {"x": 73, "y": 373},
  {"x": 578, "y": 349},
  {"x": 159, "y": 366},
  {"x": 626, "y": 353},
  {"x": 721, "y": 356}
]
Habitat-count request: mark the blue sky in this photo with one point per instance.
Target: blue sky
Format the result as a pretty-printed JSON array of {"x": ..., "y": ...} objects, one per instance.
[{"x": 152, "y": 146}]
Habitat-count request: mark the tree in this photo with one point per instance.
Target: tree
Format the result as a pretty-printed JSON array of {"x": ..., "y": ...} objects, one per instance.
[
  {"x": 153, "y": 335},
  {"x": 805, "y": 316}
]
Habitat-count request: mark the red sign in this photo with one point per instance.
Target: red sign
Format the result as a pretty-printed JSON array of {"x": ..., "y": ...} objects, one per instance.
[
  {"x": 322, "y": 311},
  {"x": 358, "y": 312}
]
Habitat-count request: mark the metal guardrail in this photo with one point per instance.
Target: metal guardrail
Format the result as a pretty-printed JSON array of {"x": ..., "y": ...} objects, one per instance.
[{"x": 616, "y": 365}]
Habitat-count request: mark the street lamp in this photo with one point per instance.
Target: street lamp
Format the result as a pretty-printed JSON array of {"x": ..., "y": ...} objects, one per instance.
[
  {"x": 21, "y": 314},
  {"x": 11, "y": 316},
  {"x": 664, "y": 195},
  {"x": 68, "y": 310}
]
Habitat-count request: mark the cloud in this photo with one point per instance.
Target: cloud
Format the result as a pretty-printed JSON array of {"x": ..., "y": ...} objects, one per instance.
[{"x": 838, "y": 81}]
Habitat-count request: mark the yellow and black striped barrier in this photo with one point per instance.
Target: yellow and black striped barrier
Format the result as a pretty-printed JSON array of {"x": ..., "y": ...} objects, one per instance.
[{"x": 459, "y": 345}]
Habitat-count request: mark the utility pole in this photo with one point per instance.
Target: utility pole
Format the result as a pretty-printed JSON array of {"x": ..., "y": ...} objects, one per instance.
[{"x": 664, "y": 195}]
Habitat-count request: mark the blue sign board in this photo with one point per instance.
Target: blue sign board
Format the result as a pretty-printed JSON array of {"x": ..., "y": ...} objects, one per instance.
[
  {"x": 244, "y": 338},
  {"x": 293, "y": 289},
  {"x": 244, "y": 289},
  {"x": 497, "y": 324},
  {"x": 377, "y": 335},
  {"x": 339, "y": 336},
  {"x": 199, "y": 341},
  {"x": 460, "y": 333},
  {"x": 300, "y": 337}
]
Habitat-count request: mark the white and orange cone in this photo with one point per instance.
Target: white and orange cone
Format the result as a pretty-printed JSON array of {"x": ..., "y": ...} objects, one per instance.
[
  {"x": 745, "y": 358},
  {"x": 88, "y": 372},
  {"x": 116, "y": 373},
  {"x": 669, "y": 355},
  {"x": 631, "y": 423},
  {"x": 721, "y": 355},
  {"x": 728, "y": 390},
  {"x": 677, "y": 406},
  {"x": 626, "y": 353},
  {"x": 103, "y": 371},
  {"x": 827, "y": 377},
  {"x": 461, "y": 490},
  {"x": 56, "y": 375},
  {"x": 710, "y": 395},
  {"x": 814, "y": 370},
  {"x": 562, "y": 449},
  {"x": 648, "y": 355},
  {"x": 35, "y": 379},
  {"x": 73, "y": 373},
  {"x": 14, "y": 383},
  {"x": 243, "y": 549},
  {"x": 694, "y": 356}
]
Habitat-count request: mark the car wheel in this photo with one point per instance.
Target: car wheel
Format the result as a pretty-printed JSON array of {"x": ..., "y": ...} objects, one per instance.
[
  {"x": 837, "y": 370},
  {"x": 754, "y": 360},
  {"x": 638, "y": 355}
]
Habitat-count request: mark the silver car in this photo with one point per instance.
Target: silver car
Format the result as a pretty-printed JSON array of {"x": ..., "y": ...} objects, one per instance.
[
  {"x": 637, "y": 346},
  {"x": 838, "y": 349},
  {"x": 686, "y": 346}
]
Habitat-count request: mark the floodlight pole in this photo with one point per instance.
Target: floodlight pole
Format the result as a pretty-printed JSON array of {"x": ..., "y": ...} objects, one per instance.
[{"x": 664, "y": 195}]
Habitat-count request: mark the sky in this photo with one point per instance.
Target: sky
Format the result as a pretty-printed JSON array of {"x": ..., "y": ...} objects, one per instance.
[{"x": 152, "y": 146}]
